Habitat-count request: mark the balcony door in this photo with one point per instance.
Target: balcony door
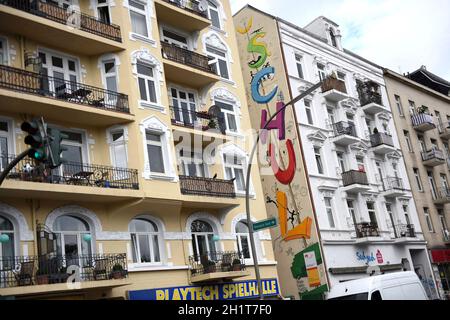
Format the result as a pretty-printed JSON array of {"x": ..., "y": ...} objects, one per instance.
[
  {"x": 391, "y": 218},
  {"x": 352, "y": 211},
  {"x": 432, "y": 185},
  {"x": 372, "y": 214},
  {"x": 73, "y": 240},
  {"x": 184, "y": 106},
  {"x": 7, "y": 250},
  {"x": 380, "y": 173},
  {"x": 64, "y": 72},
  {"x": 193, "y": 164},
  {"x": 203, "y": 240},
  {"x": 444, "y": 184},
  {"x": 174, "y": 39},
  {"x": 242, "y": 234},
  {"x": 5, "y": 143}
]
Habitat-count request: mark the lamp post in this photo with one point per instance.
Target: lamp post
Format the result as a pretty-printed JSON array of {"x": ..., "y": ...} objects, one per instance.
[{"x": 249, "y": 167}]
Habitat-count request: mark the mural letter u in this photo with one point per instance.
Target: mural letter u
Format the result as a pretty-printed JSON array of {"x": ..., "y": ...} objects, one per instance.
[{"x": 283, "y": 176}]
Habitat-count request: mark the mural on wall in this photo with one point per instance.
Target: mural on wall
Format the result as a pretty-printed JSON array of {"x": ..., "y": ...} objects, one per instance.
[{"x": 281, "y": 163}]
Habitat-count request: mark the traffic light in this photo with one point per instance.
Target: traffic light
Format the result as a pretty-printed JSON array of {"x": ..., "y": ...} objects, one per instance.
[
  {"x": 36, "y": 138},
  {"x": 56, "y": 137}
]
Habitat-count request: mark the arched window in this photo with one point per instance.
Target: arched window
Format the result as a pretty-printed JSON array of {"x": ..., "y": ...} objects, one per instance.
[
  {"x": 145, "y": 241},
  {"x": 73, "y": 237},
  {"x": 7, "y": 251},
  {"x": 243, "y": 239},
  {"x": 202, "y": 239}
]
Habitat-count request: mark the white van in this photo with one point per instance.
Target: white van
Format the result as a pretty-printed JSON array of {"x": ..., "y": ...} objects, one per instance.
[{"x": 393, "y": 286}]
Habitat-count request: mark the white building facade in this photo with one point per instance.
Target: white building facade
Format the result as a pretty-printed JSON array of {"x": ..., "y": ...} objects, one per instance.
[{"x": 366, "y": 214}]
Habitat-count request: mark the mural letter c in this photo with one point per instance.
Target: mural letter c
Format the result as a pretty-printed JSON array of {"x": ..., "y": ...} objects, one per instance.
[{"x": 256, "y": 83}]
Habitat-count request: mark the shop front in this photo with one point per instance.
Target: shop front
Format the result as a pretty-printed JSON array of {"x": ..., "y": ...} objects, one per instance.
[
  {"x": 238, "y": 290},
  {"x": 441, "y": 264}
]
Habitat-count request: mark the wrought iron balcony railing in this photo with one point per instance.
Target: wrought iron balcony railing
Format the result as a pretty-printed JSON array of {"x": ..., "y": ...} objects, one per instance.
[
  {"x": 354, "y": 177},
  {"x": 433, "y": 154},
  {"x": 62, "y": 15},
  {"x": 333, "y": 84},
  {"x": 369, "y": 93},
  {"x": 189, "y": 5},
  {"x": 35, "y": 270},
  {"x": 73, "y": 173},
  {"x": 405, "y": 230},
  {"x": 195, "y": 119},
  {"x": 380, "y": 138},
  {"x": 393, "y": 183},
  {"x": 74, "y": 92},
  {"x": 367, "y": 229},
  {"x": 344, "y": 128},
  {"x": 187, "y": 57},
  {"x": 214, "y": 261},
  {"x": 207, "y": 187}
]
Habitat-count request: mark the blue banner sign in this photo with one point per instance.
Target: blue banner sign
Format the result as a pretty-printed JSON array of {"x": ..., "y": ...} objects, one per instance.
[{"x": 223, "y": 291}]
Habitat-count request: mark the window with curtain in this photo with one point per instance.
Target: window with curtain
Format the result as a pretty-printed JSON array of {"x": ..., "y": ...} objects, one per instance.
[
  {"x": 155, "y": 152},
  {"x": 202, "y": 240},
  {"x": 146, "y": 82},
  {"x": 118, "y": 148},
  {"x": 145, "y": 239},
  {"x": 103, "y": 11},
  {"x": 7, "y": 250},
  {"x": 138, "y": 16}
]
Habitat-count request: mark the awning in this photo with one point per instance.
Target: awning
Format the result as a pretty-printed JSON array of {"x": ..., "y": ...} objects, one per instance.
[
  {"x": 440, "y": 256},
  {"x": 363, "y": 269}
]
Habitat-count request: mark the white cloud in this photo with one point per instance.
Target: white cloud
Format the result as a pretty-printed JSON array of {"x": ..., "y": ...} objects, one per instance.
[{"x": 401, "y": 35}]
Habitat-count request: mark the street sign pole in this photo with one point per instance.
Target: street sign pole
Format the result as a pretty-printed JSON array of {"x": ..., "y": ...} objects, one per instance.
[{"x": 247, "y": 181}]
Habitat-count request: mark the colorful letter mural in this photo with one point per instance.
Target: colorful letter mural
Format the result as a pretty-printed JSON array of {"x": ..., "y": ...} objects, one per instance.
[{"x": 286, "y": 189}]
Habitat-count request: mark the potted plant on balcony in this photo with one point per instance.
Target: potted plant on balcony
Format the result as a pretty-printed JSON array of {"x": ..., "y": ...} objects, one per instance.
[
  {"x": 117, "y": 271},
  {"x": 42, "y": 277},
  {"x": 210, "y": 267},
  {"x": 237, "y": 265}
]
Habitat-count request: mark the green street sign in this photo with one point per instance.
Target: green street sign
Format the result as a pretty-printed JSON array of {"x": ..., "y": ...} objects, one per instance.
[{"x": 264, "y": 224}]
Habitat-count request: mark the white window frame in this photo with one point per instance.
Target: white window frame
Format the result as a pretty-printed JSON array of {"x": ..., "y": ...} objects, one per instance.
[
  {"x": 429, "y": 221},
  {"x": 151, "y": 244},
  {"x": 147, "y": 12},
  {"x": 104, "y": 60},
  {"x": 102, "y": 5},
  {"x": 195, "y": 157},
  {"x": 4, "y": 50},
  {"x": 399, "y": 105},
  {"x": 239, "y": 238},
  {"x": 10, "y": 136},
  {"x": 318, "y": 159},
  {"x": 216, "y": 57},
  {"x": 374, "y": 210},
  {"x": 322, "y": 73},
  {"x": 223, "y": 95},
  {"x": 187, "y": 92},
  {"x": 231, "y": 150},
  {"x": 416, "y": 173},
  {"x": 234, "y": 113},
  {"x": 156, "y": 126},
  {"x": 299, "y": 64},
  {"x": 309, "y": 111},
  {"x": 217, "y": 7},
  {"x": 187, "y": 45},
  {"x": 330, "y": 212},
  {"x": 408, "y": 140},
  {"x": 112, "y": 143},
  {"x": 147, "y": 78}
]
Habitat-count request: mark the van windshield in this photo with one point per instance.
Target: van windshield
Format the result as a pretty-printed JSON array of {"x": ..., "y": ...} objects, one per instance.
[{"x": 358, "y": 296}]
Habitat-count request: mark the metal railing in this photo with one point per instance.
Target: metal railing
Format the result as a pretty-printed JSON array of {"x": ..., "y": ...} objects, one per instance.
[
  {"x": 195, "y": 119},
  {"x": 70, "y": 17},
  {"x": 366, "y": 229},
  {"x": 186, "y": 57},
  {"x": 51, "y": 269},
  {"x": 73, "y": 173},
  {"x": 344, "y": 128},
  {"x": 444, "y": 128},
  {"x": 393, "y": 183},
  {"x": 207, "y": 187},
  {"x": 74, "y": 92},
  {"x": 333, "y": 84},
  {"x": 354, "y": 177},
  {"x": 422, "y": 118},
  {"x": 369, "y": 93},
  {"x": 405, "y": 230},
  {"x": 380, "y": 138},
  {"x": 189, "y": 5},
  {"x": 433, "y": 154},
  {"x": 211, "y": 262}
]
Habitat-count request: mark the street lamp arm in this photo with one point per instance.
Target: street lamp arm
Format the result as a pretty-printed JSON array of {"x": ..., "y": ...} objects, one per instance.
[{"x": 249, "y": 168}]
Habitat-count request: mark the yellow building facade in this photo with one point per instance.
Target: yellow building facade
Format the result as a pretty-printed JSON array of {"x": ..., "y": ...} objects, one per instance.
[{"x": 151, "y": 98}]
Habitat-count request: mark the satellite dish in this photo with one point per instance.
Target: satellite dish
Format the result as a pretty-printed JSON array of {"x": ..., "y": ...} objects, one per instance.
[{"x": 203, "y": 5}]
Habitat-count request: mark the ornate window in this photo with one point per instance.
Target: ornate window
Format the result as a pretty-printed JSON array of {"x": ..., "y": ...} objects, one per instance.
[
  {"x": 145, "y": 239},
  {"x": 202, "y": 239},
  {"x": 7, "y": 246}
]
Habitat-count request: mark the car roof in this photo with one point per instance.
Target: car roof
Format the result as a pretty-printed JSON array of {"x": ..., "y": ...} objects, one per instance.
[{"x": 366, "y": 284}]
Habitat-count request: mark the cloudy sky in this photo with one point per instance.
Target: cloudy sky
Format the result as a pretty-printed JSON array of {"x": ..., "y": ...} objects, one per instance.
[{"x": 401, "y": 35}]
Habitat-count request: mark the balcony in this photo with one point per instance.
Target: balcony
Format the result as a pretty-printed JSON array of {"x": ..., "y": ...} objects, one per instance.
[
  {"x": 334, "y": 90},
  {"x": 433, "y": 158},
  {"x": 187, "y": 67},
  {"x": 393, "y": 187},
  {"x": 365, "y": 231},
  {"x": 444, "y": 130},
  {"x": 25, "y": 275},
  {"x": 182, "y": 14},
  {"x": 446, "y": 236},
  {"x": 217, "y": 266},
  {"x": 32, "y": 93},
  {"x": 370, "y": 98},
  {"x": 344, "y": 133},
  {"x": 403, "y": 232},
  {"x": 49, "y": 24},
  {"x": 382, "y": 143},
  {"x": 199, "y": 121},
  {"x": 423, "y": 122},
  {"x": 70, "y": 181},
  {"x": 208, "y": 187},
  {"x": 355, "y": 181},
  {"x": 442, "y": 196}
]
